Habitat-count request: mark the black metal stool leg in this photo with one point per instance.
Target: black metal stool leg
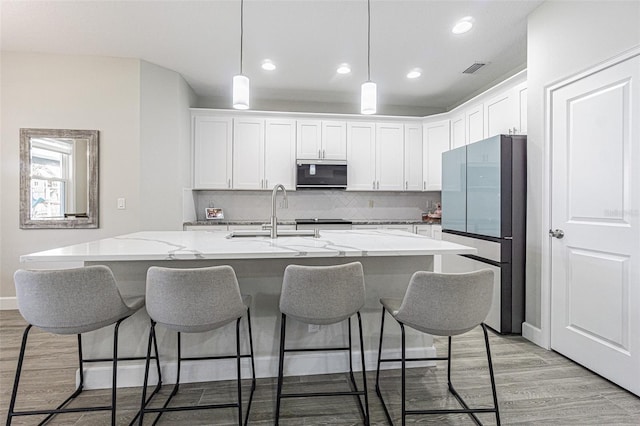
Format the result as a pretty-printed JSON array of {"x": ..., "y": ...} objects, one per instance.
[
  {"x": 404, "y": 362},
  {"x": 146, "y": 371},
  {"x": 16, "y": 381},
  {"x": 280, "y": 366},
  {"x": 364, "y": 373},
  {"x": 491, "y": 376},
  {"x": 239, "y": 372}
]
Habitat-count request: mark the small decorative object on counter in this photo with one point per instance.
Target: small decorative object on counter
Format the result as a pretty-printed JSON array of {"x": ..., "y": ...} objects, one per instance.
[
  {"x": 433, "y": 216},
  {"x": 213, "y": 213}
]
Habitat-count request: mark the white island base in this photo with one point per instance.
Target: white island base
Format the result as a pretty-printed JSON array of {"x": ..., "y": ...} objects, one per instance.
[{"x": 389, "y": 258}]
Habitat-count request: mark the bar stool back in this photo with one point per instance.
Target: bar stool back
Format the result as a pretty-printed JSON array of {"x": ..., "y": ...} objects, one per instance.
[
  {"x": 323, "y": 295},
  {"x": 196, "y": 300},
  {"x": 441, "y": 305},
  {"x": 71, "y": 301}
]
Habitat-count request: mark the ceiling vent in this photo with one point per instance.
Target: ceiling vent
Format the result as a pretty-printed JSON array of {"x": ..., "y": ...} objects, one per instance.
[{"x": 473, "y": 68}]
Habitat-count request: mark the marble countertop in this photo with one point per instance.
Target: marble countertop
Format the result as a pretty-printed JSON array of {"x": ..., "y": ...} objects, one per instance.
[
  {"x": 195, "y": 245},
  {"x": 292, "y": 222}
]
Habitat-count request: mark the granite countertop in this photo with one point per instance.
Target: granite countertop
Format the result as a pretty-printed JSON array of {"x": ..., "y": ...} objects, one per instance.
[{"x": 198, "y": 245}]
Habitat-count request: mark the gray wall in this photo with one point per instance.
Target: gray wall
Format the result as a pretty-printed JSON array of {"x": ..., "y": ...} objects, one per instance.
[
  {"x": 142, "y": 114},
  {"x": 564, "y": 38}
]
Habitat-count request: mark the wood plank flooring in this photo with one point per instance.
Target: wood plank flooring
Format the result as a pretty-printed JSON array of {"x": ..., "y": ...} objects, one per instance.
[{"x": 535, "y": 387}]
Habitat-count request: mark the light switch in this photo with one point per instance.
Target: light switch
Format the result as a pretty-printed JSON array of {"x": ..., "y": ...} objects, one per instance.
[{"x": 122, "y": 204}]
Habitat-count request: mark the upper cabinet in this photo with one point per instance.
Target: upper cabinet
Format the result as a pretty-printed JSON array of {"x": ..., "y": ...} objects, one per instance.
[
  {"x": 413, "y": 151},
  {"x": 212, "y": 149},
  {"x": 390, "y": 157},
  {"x": 263, "y": 153},
  {"x": 361, "y": 156},
  {"x": 475, "y": 123},
  {"x": 321, "y": 140},
  {"x": 458, "y": 130},
  {"x": 436, "y": 141}
]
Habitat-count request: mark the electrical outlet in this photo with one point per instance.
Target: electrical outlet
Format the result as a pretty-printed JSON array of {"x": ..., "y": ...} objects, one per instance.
[
  {"x": 122, "y": 204},
  {"x": 314, "y": 328},
  {"x": 370, "y": 204}
]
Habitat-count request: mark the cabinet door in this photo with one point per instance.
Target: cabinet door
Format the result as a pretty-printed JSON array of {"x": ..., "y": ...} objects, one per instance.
[
  {"x": 309, "y": 139},
  {"x": 475, "y": 124},
  {"x": 458, "y": 131},
  {"x": 212, "y": 148},
  {"x": 361, "y": 156},
  {"x": 248, "y": 153},
  {"x": 521, "y": 104},
  {"x": 424, "y": 230},
  {"x": 280, "y": 153},
  {"x": 501, "y": 114},
  {"x": 389, "y": 157},
  {"x": 413, "y": 157},
  {"x": 334, "y": 140},
  {"x": 436, "y": 141}
]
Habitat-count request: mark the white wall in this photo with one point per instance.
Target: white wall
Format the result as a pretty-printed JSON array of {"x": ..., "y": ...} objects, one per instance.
[
  {"x": 564, "y": 38},
  {"x": 165, "y": 131},
  {"x": 142, "y": 113}
]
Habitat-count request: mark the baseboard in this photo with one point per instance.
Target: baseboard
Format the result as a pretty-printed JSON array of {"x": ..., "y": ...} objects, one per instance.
[
  {"x": 131, "y": 373},
  {"x": 533, "y": 334},
  {"x": 8, "y": 303}
]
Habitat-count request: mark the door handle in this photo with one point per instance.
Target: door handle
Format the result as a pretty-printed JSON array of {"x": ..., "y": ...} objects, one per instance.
[{"x": 558, "y": 233}]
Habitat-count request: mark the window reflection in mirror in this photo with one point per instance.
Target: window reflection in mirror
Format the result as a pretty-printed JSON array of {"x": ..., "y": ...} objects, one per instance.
[{"x": 59, "y": 178}]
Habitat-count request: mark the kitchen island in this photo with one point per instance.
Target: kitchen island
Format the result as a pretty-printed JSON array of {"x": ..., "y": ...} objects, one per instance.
[{"x": 389, "y": 258}]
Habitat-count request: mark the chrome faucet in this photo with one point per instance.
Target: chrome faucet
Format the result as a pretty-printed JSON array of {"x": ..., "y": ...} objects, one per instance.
[{"x": 274, "y": 219}]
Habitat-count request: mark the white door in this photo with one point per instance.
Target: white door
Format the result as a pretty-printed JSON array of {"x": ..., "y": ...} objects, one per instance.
[
  {"x": 308, "y": 142},
  {"x": 595, "y": 201},
  {"x": 413, "y": 157},
  {"x": 361, "y": 156},
  {"x": 334, "y": 140},
  {"x": 389, "y": 157},
  {"x": 248, "y": 153},
  {"x": 212, "y": 148},
  {"x": 280, "y": 153},
  {"x": 436, "y": 141}
]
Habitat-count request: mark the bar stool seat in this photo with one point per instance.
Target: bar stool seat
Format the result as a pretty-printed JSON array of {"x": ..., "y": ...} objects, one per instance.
[
  {"x": 440, "y": 305},
  {"x": 197, "y": 300},
  {"x": 323, "y": 295},
  {"x": 72, "y": 301}
]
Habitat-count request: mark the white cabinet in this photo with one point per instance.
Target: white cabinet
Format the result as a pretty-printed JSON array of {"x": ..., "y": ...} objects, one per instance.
[
  {"x": 506, "y": 113},
  {"x": 212, "y": 149},
  {"x": 475, "y": 123},
  {"x": 436, "y": 141},
  {"x": 458, "y": 131},
  {"x": 317, "y": 139},
  {"x": 397, "y": 227},
  {"x": 521, "y": 101},
  {"x": 389, "y": 156},
  {"x": 435, "y": 232},
  {"x": 263, "y": 153},
  {"x": 361, "y": 156},
  {"x": 248, "y": 153},
  {"x": 413, "y": 152},
  {"x": 280, "y": 153}
]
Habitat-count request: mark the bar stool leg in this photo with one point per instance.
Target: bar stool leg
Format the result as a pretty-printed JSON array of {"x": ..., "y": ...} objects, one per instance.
[
  {"x": 364, "y": 373},
  {"x": 493, "y": 380},
  {"x": 239, "y": 372},
  {"x": 283, "y": 327},
  {"x": 14, "y": 393},
  {"x": 404, "y": 362}
]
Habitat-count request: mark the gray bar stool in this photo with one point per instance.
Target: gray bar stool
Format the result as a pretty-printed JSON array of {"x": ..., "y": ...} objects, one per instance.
[
  {"x": 194, "y": 301},
  {"x": 441, "y": 305},
  {"x": 323, "y": 295},
  {"x": 72, "y": 301}
]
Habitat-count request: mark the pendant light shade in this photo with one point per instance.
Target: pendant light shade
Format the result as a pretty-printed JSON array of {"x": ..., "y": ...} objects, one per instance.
[
  {"x": 241, "y": 92},
  {"x": 240, "y": 81},
  {"x": 368, "y": 98}
]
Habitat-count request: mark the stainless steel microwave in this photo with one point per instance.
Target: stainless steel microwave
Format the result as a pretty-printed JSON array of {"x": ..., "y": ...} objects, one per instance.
[{"x": 321, "y": 174}]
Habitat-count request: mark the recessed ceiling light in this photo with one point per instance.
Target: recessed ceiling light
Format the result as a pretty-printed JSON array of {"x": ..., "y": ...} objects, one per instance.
[
  {"x": 267, "y": 65},
  {"x": 414, "y": 73},
  {"x": 463, "y": 25},
  {"x": 344, "y": 69}
]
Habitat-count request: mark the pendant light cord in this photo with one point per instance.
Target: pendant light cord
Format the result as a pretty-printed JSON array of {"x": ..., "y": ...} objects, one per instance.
[
  {"x": 368, "y": 40},
  {"x": 241, "y": 31}
]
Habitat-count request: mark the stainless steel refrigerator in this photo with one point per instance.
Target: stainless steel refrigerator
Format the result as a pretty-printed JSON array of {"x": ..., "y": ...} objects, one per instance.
[{"x": 484, "y": 206}]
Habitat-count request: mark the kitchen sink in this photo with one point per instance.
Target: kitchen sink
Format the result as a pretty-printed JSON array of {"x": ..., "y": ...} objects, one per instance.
[{"x": 281, "y": 233}]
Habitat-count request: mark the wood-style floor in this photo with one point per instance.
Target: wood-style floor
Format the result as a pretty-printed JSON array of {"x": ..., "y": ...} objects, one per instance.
[{"x": 535, "y": 387}]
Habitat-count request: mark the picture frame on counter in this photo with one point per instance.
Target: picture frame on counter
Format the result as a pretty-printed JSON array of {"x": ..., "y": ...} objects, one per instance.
[{"x": 211, "y": 213}]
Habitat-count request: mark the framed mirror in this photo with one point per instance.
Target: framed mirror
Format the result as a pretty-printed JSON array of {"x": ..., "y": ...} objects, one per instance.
[{"x": 58, "y": 178}]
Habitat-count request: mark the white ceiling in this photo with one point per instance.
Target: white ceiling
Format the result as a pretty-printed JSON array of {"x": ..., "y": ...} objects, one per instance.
[{"x": 307, "y": 39}]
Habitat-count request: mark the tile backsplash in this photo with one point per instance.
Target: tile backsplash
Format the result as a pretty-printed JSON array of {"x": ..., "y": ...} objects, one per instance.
[{"x": 329, "y": 204}]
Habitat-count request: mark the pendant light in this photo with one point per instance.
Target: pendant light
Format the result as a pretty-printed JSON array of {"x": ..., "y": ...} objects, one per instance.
[
  {"x": 369, "y": 93},
  {"x": 240, "y": 81}
]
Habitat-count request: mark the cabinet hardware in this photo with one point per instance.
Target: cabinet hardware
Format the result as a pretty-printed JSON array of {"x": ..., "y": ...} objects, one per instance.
[
  {"x": 266, "y": 183},
  {"x": 229, "y": 183},
  {"x": 324, "y": 154},
  {"x": 378, "y": 185},
  {"x": 374, "y": 184},
  {"x": 424, "y": 185},
  {"x": 319, "y": 153},
  {"x": 262, "y": 183}
]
